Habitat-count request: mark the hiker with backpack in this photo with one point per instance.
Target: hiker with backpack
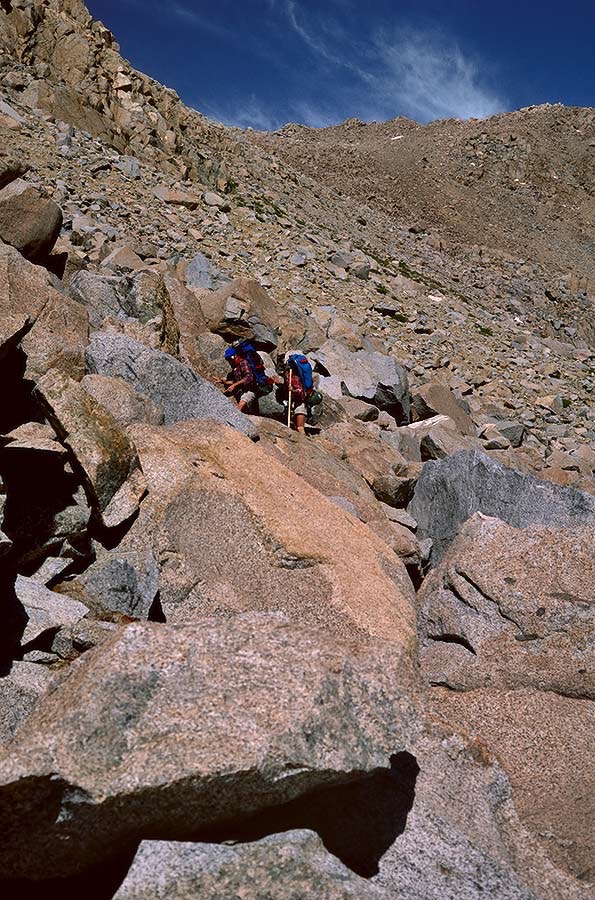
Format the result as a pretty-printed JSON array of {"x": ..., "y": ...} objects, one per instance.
[
  {"x": 249, "y": 380},
  {"x": 298, "y": 390}
]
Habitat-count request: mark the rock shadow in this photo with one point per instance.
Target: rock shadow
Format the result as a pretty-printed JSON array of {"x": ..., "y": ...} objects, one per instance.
[
  {"x": 18, "y": 401},
  {"x": 14, "y": 622},
  {"x": 357, "y": 821}
]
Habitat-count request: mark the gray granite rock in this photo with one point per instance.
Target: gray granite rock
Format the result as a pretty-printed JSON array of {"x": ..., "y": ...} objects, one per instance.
[
  {"x": 202, "y": 273},
  {"x": 45, "y": 609},
  {"x": 367, "y": 375},
  {"x": 129, "y": 166},
  {"x": 514, "y": 431},
  {"x": 165, "y": 730},
  {"x": 176, "y": 389},
  {"x": 119, "y": 582},
  {"x": 20, "y": 690},
  {"x": 104, "y": 296},
  {"x": 290, "y": 866},
  {"x": 450, "y": 490}
]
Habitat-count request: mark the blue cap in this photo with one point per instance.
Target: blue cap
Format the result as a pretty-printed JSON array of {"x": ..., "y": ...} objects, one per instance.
[{"x": 229, "y": 353}]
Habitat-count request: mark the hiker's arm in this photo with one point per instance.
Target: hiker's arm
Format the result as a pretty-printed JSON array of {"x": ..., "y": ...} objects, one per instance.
[{"x": 236, "y": 384}]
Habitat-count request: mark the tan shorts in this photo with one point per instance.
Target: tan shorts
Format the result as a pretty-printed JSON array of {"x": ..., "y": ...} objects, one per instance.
[
  {"x": 248, "y": 398},
  {"x": 300, "y": 410}
]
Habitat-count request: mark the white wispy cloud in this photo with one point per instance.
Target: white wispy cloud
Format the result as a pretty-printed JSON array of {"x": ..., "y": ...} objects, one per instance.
[
  {"x": 419, "y": 73},
  {"x": 312, "y": 37},
  {"x": 427, "y": 76},
  {"x": 190, "y": 16},
  {"x": 348, "y": 71}
]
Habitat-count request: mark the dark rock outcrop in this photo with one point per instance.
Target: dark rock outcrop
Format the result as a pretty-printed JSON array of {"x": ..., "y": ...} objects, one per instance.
[
  {"x": 28, "y": 221},
  {"x": 177, "y": 390},
  {"x": 449, "y": 491}
]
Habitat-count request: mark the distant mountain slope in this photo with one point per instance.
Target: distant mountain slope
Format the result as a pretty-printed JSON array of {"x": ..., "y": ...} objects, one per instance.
[{"x": 522, "y": 181}]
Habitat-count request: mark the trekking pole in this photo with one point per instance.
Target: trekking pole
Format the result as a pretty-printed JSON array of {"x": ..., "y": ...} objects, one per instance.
[{"x": 289, "y": 405}]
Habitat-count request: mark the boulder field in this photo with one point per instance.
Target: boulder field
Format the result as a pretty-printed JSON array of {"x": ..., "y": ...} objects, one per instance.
[{"x": 239, "y": 661}]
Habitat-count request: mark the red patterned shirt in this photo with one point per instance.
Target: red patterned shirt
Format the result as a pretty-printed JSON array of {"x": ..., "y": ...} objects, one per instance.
[{"x": 242, "y": 371}]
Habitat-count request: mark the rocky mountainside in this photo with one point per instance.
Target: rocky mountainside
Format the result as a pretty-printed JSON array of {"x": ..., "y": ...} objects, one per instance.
[
  {"x": 521, "y": 180},
  {"x": 237, "y": 661}
]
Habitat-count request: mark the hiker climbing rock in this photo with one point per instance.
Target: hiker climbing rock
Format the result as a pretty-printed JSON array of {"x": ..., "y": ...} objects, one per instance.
[
  {"x": 298, "y": 390},
  {"x": 248, "y": 380}
]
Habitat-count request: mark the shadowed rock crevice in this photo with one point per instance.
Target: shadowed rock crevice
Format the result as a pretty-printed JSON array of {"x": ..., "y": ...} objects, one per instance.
[
  {"x": 14, "y": 621},
  {"x": 156, "y": 613},
  {"x": 97, "y": 884},
  {"x": 453, "y": 639},
  {"x": 18, "y": 402},
  {"x": 37, "y": 493},
  {"x": 357, "y": 821}
]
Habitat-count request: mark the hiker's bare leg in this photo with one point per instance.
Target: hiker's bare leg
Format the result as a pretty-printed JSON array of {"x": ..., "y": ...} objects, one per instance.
[
  {"x": 300, "y": 422},
  {"x": 242, "y": 405}
]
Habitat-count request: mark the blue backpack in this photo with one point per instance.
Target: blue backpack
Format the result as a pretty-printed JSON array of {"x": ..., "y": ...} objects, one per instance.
[
  {"x": 299, "y": 364},
  {"x": 264, "y": 384}
]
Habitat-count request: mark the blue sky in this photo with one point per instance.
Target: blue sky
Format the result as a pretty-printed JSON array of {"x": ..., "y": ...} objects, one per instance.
[{"x": 262, "y": 63}]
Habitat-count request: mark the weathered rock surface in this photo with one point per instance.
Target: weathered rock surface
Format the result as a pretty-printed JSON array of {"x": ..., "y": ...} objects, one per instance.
[
  {"x": 177, "y": 198},
  {"x": 367, "y": 375},
  {"x": 33, "y": 436},
  {"x": 506, "y": 622},
  {"x": 545, "y": 743},
  {"x": 177, "y": 391},
  {"x": 125, "y": 404},
  {"x": 140, "y": 298},
  {"x": 449, "y": 491},
  {"x": 380, "y": 250},
  {"x": 382, "y": 467},
  {"x": 513, "y": 431},
  {"x": 290, "y": 866},
  {"x": 439, "y": 437},
  {"x": 20, "y": 690},
  {"x": 123, "y": 259},
  {"x": 305, "y": 712},
  {"x": 219, "y": 506},
  {"x": 102, "y": 295},
  {"x": 493, "y": 438},
  {"x": 463, "y": 837},
  {"x": 190, "y": 323},
  {"x": 53, "y": 330},
  {"x": 104, "y": 454},
  {"x": 334, "y": 477},
  {"x": 124, "y": 583},
  {"x": 10, "y": 169},
  {"x": 45, "y": 610},
  {"x": 242, "y": 310},
  {"x": 511, "y": 608},
  {"x": 201, "y": 273},
  {"x": 436, "y": 399},
  {"x": 28, "y": 221}
]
